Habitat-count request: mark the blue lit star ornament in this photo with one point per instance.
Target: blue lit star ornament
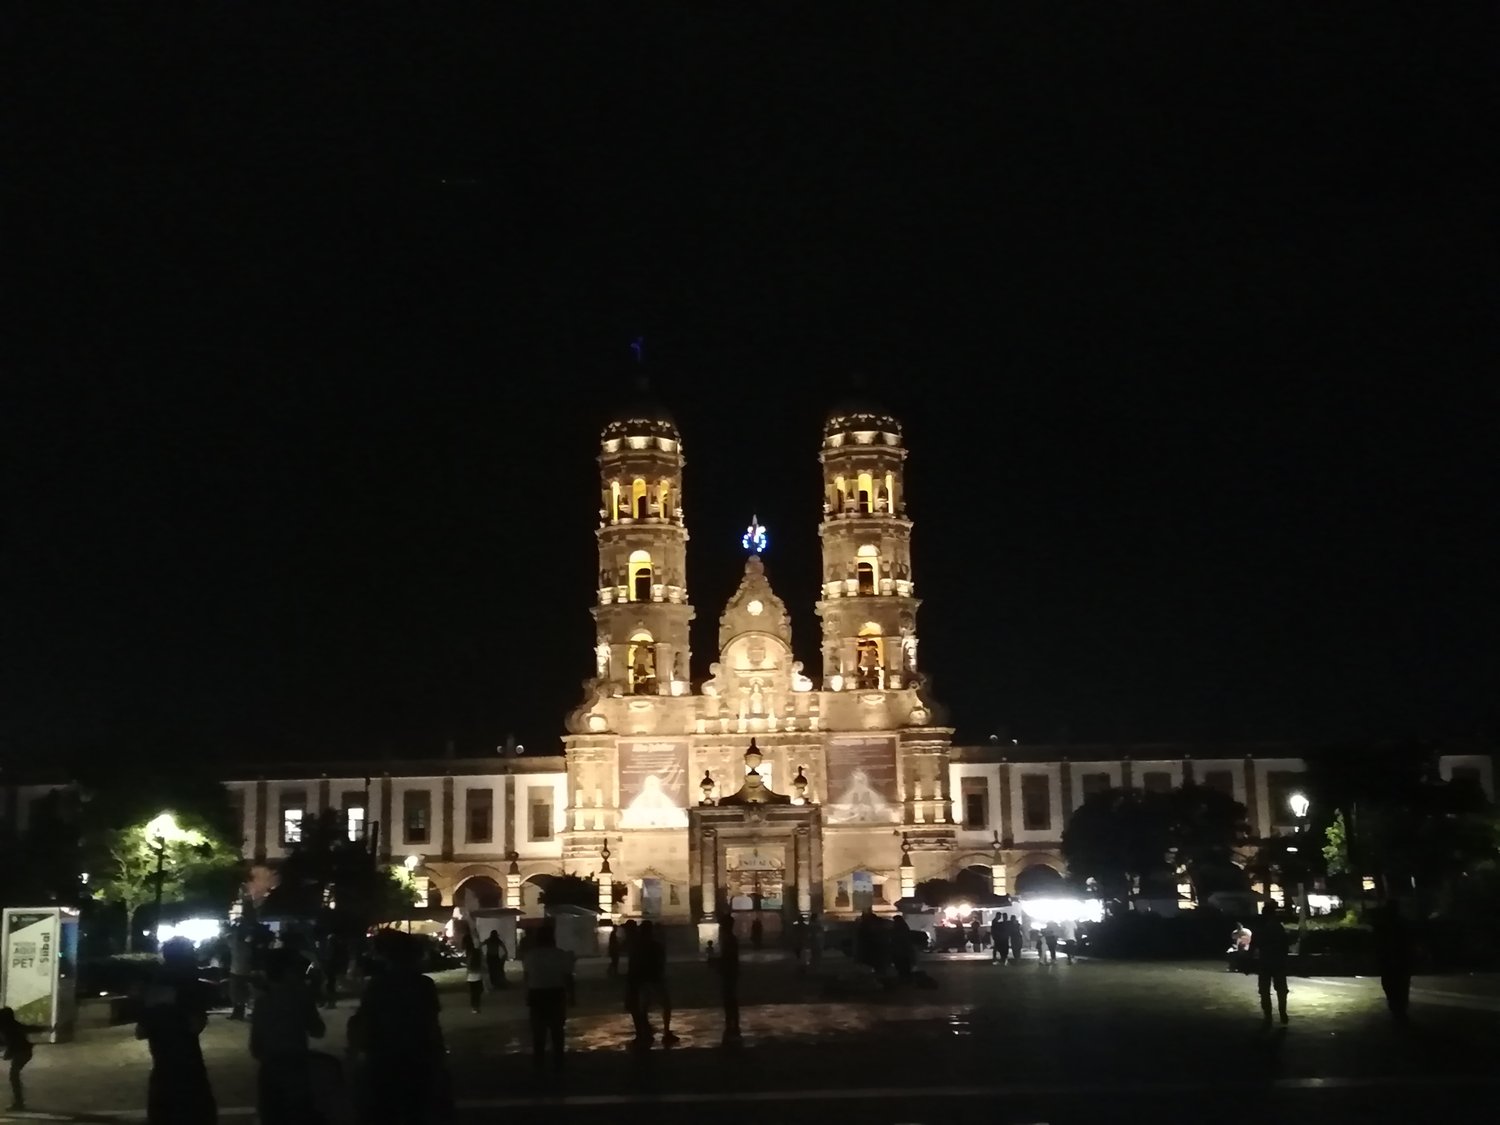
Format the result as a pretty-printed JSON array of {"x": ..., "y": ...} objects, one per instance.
[{"x": 754, "y": 540}]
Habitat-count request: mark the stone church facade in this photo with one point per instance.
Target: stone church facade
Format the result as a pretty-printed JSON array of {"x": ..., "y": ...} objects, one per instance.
[{"x": 766, "y": 787}]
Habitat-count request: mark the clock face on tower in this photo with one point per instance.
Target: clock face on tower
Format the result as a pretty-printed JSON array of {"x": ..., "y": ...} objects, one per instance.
[{"x": 754, "y": 607}]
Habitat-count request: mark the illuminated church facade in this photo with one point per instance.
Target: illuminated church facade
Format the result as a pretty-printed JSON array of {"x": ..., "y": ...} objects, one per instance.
[{"x": 768, "y": 786}]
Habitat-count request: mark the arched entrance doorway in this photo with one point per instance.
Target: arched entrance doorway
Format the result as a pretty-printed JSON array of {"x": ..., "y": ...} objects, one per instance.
[
  {"x": 478, "y": 892},
  {"x": 1038, "y": 880}
]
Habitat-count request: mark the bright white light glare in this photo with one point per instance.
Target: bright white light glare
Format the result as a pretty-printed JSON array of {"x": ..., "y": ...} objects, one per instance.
[
  {"x": 413, "y": 862},
  {"x": 1046, "y": 910},
  {"x": 1323, "y": 904},
  {"x": 196, "y": 930},
  {"x": 1299, "y": 804},
  {"x": 164, "y": 827}
]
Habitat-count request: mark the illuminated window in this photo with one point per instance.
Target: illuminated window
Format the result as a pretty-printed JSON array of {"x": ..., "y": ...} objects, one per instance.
[
  {"x": 865, "y": 574},
  {"x": 640, "y": 576},
  {"x": 539, "y": 812},
  {"x": 416, "y": 815},
  {"x": 663, "y": 499},
  {"x": 614, "y": 501},
  {"x": 641, "y": 664},
  {"x": 866, "y": 491},
  {"x": 353, "y": 806},
  {"x": 638, "y": 498},
  {"x": 293, "y": 814},
  {"x": 890, "y": 493},
  {"x": 868, "y": 662}
]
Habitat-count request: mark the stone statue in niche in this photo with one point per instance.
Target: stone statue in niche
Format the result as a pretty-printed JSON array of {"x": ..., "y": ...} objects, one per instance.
[
  {"x": 601, "y": 659},
  {"x": 799, "y": 681},
  {"x": 679, "y": 667},
  {"x": 908, "y": 653},
  {"x": 757, "y": 699}
]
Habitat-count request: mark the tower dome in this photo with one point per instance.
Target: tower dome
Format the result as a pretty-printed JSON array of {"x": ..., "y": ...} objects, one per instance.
[
  {"x": 643, "y": 415},
  {"x": 861, "y": 415}
]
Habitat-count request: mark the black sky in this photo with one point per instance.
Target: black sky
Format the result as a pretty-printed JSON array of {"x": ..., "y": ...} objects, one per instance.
[{"x": 313, "y": 322}]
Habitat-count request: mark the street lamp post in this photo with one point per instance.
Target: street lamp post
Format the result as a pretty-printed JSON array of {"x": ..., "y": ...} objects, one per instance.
[
  {"x": 161, "y": 831},
  {"x": 1299, "y": 805}
]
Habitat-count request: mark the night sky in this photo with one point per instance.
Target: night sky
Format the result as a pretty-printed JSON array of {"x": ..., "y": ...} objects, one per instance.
[{"x": 311, "y": 326}]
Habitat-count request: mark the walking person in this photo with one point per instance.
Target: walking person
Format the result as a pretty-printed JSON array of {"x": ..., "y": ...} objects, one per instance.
[
  {"x": 398, "y": 1041},
  {"x": 18, "y": 1051},
  {"x": 1271, "y": 949},
  {"x": 1013, "y": 929},
  {"x": 1394, "y": 957},
  {"x": 495, "y": 956},
  {"x": 612, "y": 948},
  {"x": 241, "y": 966},
  {"x": 999, "y": 941},
  {"x": 729, "y": 975},
  {"x": 473, "y": 972},
  {"x": 550, "y": 987},
  {"x": 647, "y": 970},
  {"x": 286, "y": 1017},
  {"x": 335, "y": 966},
  {"x": 903, "y": 953},
  {"x": 174, "y": 1014},
  {"x": 1050, "y": 935}
]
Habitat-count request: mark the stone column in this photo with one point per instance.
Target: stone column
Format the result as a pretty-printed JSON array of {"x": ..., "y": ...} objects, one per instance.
[
  {"x": 802, "y": 841},
  {"x": 709, "y": 843},
  {"x": 262, "y": 798}
]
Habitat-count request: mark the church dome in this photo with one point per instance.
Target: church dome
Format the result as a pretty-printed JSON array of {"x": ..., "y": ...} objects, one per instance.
[
  {"x": 860, "y": 414},
  {"x": 644, "y": 415}
]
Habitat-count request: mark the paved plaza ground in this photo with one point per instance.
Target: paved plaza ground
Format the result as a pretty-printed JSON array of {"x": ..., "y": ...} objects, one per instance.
[{"x": 1092, "y": 1042}]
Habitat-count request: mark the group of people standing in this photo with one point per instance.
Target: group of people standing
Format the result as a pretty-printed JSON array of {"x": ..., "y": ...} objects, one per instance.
[{"x": 1008, "y": 940}]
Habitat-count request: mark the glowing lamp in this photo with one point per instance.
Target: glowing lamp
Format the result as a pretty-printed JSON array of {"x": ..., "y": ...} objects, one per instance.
[
  {"x": 1299, "y": 805},
  {"x": 754, "y": 540}
]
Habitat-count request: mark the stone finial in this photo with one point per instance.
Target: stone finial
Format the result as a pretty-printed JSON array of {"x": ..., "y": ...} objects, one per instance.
[
  {"x": 799, "y": 785},
  {"x": 905, "y": 850},
  {"x": 753, "y": 757},
  {"x": 707, "y": 787}
]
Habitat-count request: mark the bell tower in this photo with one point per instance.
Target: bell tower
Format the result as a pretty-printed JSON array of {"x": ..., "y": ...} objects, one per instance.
[
  {"x": 642, "y": 610},
  {"x": 868, "y": 603}
]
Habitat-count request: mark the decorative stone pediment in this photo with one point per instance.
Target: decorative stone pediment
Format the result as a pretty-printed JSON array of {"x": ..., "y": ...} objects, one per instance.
[{"x": 754, "y": 608}]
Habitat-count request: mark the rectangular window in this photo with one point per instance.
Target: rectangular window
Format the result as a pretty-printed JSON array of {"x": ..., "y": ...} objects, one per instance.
[
  {"x": 539, "y": 812},
  {"x": 479, "y": 815},
  {"x": 1156, "y": 781},
  {"x": 1094, "y": 783},
  {"x": 293, "y": 813},
  {"x": 974, "y": 793},
  {"x": 353, "y": 804},
  {"x": 1222, "y": 780},
  {"x": 416, "y": 815},
  {"x": 1036, "y": 802},
  {"x": 237, "y": 817}
]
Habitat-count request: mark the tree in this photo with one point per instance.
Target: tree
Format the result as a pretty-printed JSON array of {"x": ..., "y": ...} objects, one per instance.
[
  {"x": 87, "y": 845},
  {"x": 575, "y": 890},
  {"x": 1121, "y": 836},
  {"x": 326, "y": 875}
]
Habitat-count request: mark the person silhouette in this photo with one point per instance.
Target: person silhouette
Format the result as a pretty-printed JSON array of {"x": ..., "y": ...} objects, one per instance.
[{"x": 1271, "y": 948}]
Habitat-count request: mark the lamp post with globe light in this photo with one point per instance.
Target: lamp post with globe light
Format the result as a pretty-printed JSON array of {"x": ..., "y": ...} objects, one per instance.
[
  {"x": 1299, "y": 804},
  {"x": 161, "y": 831}
]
